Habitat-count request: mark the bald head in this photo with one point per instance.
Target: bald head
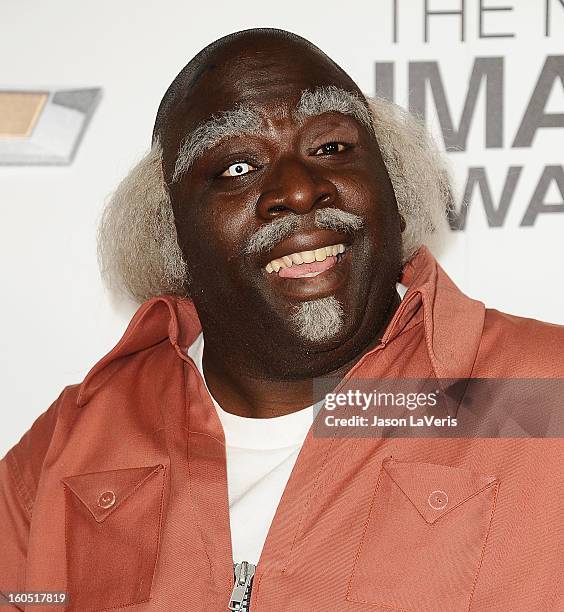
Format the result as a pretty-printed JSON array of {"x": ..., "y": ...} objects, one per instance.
[
  {"x": 234, "y": 70},
  {"x": 210, "y": 62}
]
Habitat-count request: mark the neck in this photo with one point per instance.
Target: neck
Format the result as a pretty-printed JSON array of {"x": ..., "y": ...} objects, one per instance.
[{"x": 257, "y": 396}]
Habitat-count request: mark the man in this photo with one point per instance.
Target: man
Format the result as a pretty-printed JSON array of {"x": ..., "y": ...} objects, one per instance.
[{"x": 292, "y": 212}]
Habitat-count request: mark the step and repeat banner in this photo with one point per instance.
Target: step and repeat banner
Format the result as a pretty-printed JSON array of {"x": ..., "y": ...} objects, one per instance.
[
  {"x": 488, "y": 79},
  {"x": 79, "y": 90}
]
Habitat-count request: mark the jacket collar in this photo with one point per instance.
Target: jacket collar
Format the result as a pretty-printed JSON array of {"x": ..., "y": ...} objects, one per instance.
[{"x": 453, "y": 324}]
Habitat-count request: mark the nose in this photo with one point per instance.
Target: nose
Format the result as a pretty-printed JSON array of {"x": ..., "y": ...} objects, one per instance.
[{"x": 293, "y": 186}]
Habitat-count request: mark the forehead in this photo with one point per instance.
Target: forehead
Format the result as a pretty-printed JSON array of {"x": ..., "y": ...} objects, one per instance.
[
  {"x": 269, "y": 77},
  {"x": 271, "y": 81}
]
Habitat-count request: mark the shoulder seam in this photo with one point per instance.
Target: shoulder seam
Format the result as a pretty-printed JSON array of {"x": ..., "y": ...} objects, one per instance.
[{"x": 25, "y": 498}]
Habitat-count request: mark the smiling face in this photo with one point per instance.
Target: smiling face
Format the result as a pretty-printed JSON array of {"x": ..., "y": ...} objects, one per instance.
[{"x": 284, "y": 210}]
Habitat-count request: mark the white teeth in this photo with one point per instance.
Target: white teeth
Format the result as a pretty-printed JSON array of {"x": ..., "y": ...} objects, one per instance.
[
  {"x": 305, "y": 257},
  {"x": 320, "y": 254}
]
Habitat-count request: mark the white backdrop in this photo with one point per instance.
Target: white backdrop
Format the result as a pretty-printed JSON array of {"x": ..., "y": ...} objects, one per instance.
[{"x": 57, "y": 320}]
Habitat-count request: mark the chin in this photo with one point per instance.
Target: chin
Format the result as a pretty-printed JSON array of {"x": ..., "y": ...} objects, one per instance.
[{"x": 319, "y": 321}]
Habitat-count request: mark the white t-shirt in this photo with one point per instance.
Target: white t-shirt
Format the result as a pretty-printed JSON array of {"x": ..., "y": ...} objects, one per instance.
[
  {"x": 260, "y": 457},
  {"x": 261, "y": 454}
]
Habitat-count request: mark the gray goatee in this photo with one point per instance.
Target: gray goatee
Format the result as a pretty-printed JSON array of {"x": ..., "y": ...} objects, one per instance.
[
  {"x": 318, "y": 320},
  {"x": 315, "y": 320}
]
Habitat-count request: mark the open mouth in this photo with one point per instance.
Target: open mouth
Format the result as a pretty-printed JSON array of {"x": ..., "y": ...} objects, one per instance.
[
  {"x": 307, "y": 264},
  {"x": 311, "y": 274}
]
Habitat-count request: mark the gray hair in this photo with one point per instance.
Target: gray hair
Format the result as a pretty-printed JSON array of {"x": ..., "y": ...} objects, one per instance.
[
  {"x": 137, "y": 242},
  {"x": 318, "y": 320},
  {"x": 331, "y": 98},
  {"x": 280, "y": 227},
  {"x": 240, "y": 120},
  {"x": 246, "y": 120}
]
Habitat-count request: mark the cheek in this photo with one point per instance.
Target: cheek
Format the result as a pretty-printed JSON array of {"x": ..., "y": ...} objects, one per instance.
[
  {"x": 372, "y": 197},
  {"x": 374, "y": 200},
  {"x": 213, "y": 239}
]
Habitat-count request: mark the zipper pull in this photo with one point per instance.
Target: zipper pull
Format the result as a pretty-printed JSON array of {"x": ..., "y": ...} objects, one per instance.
[{"x": 244, "y": 573}]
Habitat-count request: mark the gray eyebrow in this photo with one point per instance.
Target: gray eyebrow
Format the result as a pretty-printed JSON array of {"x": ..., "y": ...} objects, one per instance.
[
  {"x": 333, "y": 99},
  {"x": 244, "y": 120},
  {"x": 236, "y": 122}
]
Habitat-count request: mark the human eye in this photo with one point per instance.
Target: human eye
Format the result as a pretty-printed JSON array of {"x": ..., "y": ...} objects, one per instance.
[
  {"x": 331, "y": 148},
  {"x": 238, "y": 169}
]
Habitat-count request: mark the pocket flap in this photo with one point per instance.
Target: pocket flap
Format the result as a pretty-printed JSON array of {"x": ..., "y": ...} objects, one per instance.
[
  {"x": 433, "y": 489},
  {"x": 103, "y": 492}
]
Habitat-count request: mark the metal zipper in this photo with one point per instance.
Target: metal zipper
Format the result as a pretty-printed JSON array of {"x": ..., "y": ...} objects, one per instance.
[{"x": 241, "y": 593}]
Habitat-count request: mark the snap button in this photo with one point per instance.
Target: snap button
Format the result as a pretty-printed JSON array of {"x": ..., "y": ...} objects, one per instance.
[
  {"x": 107, "y": 499},
  {"x": 438, "y": 500}
]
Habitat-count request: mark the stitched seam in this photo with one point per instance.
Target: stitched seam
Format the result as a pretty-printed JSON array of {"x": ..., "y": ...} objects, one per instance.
[
  {"x": 132, "y": 603},
  {"x": 159, "y": 531},
  {"x": 128, "y": 605},
  {"x": 348, "y": 596},
  {"x": 364, "y": 530},
  {"x": 195, "y": 514},
  {"x": 460, "y": 503},
  {"x": 483, "y": 547},
  {"x": 205, "y": 435},
  {"x": 123, "y": 499},
  {"x": 382, "y": 605},
  {"x": 67, "y": 564},
  {"x": 26, "y": 500},
  {"x": 313, "y": 490},
  {"x": 463, "y": 502},
  {"x": 186, "y": 428},
  {"x": 4, "y": 602},
  {"x": 256, "y": 589},
  {"x": 405, "y": 330},
  {"x": 385, "y": 605}
]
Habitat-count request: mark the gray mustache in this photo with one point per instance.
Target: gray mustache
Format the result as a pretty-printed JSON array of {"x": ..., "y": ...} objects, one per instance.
[{"x": 269, "y": 235}]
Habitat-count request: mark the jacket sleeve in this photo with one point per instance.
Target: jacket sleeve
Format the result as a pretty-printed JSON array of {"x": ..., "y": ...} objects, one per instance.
[
  {"x": 20, "y": 471},
  {"x": 14, "y": 530}
]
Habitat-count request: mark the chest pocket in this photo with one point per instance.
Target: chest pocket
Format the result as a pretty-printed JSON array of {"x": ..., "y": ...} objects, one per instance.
[
  {"x": 424, "y": 539},
  {"x": 112, "y": 530}
]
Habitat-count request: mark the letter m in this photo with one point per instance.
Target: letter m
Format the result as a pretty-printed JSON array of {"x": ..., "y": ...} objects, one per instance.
[{"x": 485, "y": 69}]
